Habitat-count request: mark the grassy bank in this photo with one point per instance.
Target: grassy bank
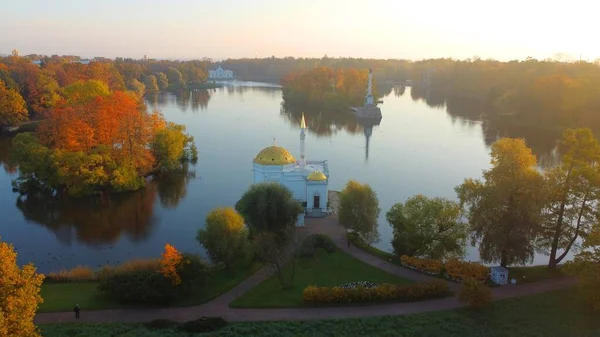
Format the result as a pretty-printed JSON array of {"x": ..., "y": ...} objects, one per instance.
[
  {"x": 559, "y": 314},
  {"x": 63, "y": 296},
  {"x": 324, "y": 269},
  {"x": 521, "y": 274}
]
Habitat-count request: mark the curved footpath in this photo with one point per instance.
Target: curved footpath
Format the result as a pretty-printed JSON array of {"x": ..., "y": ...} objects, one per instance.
[{"x": 329, "y": 226}]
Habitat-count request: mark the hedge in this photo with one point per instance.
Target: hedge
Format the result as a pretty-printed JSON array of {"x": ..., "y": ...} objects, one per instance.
[{"x": 384, "y": 292}]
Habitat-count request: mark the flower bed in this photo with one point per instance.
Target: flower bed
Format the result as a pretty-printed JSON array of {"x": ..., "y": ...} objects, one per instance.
[
  {"x": 427, "y": 266},
  {"x": 459, "y": 270},
  {"x": 364, "y": 284},
  {"x": 384, "y": 292}
]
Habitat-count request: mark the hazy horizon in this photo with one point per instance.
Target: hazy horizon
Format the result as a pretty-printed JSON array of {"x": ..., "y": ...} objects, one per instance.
[{"x": 383, "y": 29}]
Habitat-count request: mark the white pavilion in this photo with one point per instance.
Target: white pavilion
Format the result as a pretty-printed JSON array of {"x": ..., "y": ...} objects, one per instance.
[{"x": 308, "y": 180}]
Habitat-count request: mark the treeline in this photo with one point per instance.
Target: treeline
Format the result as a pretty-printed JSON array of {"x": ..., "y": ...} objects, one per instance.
[
  {"x": 546, "y": 94},
  {"x": 325, "y": 88},
  {"x": 28, "y": 89}
]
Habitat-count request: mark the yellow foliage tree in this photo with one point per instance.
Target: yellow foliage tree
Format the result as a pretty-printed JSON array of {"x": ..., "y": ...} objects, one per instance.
[
  {"x": 19, "y": 295},
  {"x": 171, "y": 259}
]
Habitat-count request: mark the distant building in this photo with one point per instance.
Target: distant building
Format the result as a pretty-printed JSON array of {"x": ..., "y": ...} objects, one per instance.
[
  {"x": 220, "y": 73},
  {"x": 15, "y": 52}
]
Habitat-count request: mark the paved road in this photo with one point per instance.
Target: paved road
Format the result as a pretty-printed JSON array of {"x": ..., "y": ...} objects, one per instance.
[{"x": 220, "y": 305}]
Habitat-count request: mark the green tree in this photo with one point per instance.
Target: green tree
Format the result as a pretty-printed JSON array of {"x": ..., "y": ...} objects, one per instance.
[
  {"x": 85, "y": 91},
  {"x": 151, "y": 83},
  {"x": 169, "y": 146},
  {"x": 225, "y": 236},
  {"x": 269, "y": 207},
  {"x": 505, "y": 209},
  {"x": 429, "y": 228},
  {"x": 42, "y": 93},
  {"x": 19, "y": 295},
  {"x": 175, "y": 77},
  {"x": 573, "y": 194},
  {"x": 162, "y": 81},
  {"x": 359, "y": 210},
  {"x": 13, "y": 110},
  {"x": 271, "y": 212}
]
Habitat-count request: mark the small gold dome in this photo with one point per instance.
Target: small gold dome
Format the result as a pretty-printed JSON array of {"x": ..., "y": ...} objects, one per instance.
[
  {"x": 274, "y": 155},
  {"x": 316, "y": 176}
]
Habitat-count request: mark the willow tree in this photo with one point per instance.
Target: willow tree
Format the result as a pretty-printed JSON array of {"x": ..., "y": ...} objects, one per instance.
[
  {"x": 504, "y": 209},
  {"x": 573, "y": 194}
]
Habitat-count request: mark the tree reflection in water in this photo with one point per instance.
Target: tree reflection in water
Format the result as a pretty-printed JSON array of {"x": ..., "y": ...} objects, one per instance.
[
  {"x": 4, "y": 156},
  {"x": 100, "y": 221}
]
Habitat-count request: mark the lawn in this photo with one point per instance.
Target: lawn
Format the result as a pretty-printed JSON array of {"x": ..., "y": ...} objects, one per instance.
[
  {"x": 552, "y": 314},
  {"x": 324, "y": 269},
  {"x": 64, "y": 296},
  {"x": 521, "y": 274}
]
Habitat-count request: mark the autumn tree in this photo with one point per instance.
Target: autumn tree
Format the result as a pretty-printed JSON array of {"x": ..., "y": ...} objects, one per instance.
[
  {"x": 573, "y": 194},
  {"x": 42, "y": 93},
  {"x": 151, "y": 83},
  {"x": 82, "y": 92},
  {"x": 162, "y": 81},
  {"x": 428, "y": 228},
  {"x": 505, "y": 209},
  {"x": 225, "y": 236},
  {"x": 13, "y": 110},
  {"x": 170, "y": 146},
  {"x": 169, "y": 263},
  {"x": 137, "y": 87},
  {"x": 359, "y": 210},
  {"x": 19, "y": 295}
]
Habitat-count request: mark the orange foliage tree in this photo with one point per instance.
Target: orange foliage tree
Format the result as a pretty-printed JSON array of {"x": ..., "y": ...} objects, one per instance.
[
  {"x": 13, "y": 110},
  {"x": 169, "y": 262},
  {"x": 19, "y": 295}
]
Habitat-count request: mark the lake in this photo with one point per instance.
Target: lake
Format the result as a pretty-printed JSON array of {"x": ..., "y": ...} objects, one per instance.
[{"x": 420, "y": 146}]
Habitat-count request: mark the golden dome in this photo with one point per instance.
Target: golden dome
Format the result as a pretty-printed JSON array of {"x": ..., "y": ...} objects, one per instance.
[
  {"x": 274, "y": 155},
  {"x": 316, "y": 176}
]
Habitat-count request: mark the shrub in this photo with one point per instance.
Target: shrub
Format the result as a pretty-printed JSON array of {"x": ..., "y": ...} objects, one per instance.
[
  {"x": 139, "y": 287},
  {"x": 475, "y": 293},
  {"x": 461, "y": 270},
  {"x": 225, "y": 237},
  {"x": 192, "y": 270},
  {"x": 428, "y": 266},
  {"x": 314, "y": 241},
  {"x": 128, "y": 267},
  {"x": 160, "y": 324},
  {"x": 203, "y": 324},
  {"x": 384, "y": 292},
  {"x": 79, "y": 273}
]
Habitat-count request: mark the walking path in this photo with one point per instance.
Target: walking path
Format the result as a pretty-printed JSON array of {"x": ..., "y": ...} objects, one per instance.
[{"x": 329, "y": 226}]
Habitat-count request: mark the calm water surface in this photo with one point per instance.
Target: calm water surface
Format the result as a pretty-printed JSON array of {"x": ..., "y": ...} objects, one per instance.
[{"x": 416, "y": 148}]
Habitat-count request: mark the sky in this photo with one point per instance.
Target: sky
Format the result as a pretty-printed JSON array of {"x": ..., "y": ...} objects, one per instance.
[{"x": 220, "y": 29}]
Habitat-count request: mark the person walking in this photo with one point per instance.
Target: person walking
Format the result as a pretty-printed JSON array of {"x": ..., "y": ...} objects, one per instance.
[{"x": 77, "y": 309}]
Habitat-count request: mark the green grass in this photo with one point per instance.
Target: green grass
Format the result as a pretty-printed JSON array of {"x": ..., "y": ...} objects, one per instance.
[
  {"x": 559, "y": 314},
  {"x": 324, "y": 269},
  {"x": 63, "y": 296},
  {"x": 522, "y": 274},
  {"x": 532, "y": 274}
]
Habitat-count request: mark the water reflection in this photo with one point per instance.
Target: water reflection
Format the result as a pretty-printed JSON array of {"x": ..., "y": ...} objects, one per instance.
[
  {"x": 470, "y": 113},
  {"x": 97, "y": 222},
  {"x": 4, "y": 156},
  {"x": 368, "y": 124},
  {"x": 322, "y": 123}
]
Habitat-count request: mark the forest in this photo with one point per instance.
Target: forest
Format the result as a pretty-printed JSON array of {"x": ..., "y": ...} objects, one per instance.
[
  {"x": 94, "y": 134},
  {"x": 325, "y": 88}
]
